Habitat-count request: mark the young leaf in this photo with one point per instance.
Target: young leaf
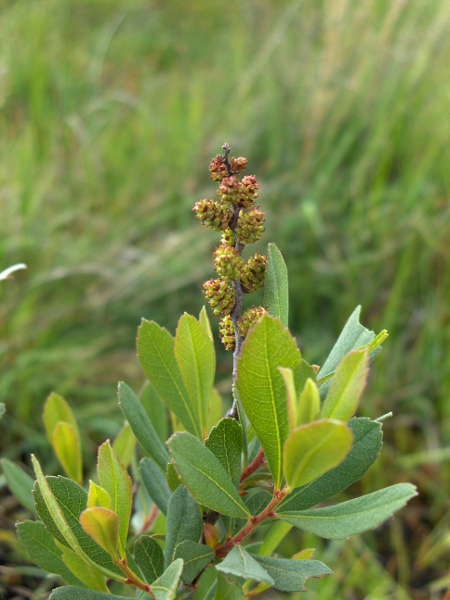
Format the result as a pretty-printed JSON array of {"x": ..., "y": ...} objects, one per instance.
[
  {"x": 196, "y": 359},
  {"x": 66, "y": 444},
  {"x": 124, "y": 445},
  {"x": 291, "y": 396},
  {"x": 261, "y": 387},
  {"x": 276, "y": 293},
  {"x": 353, "y": 516},
  {"x": 57, "y": 410},
  {"x": 41, "y": 546},
  {"x": 290, "y": 575},
  {"x": 155, "y": 483},
  {"x": 83, "y": 570},
  {"x": 113, "y": 478},
  {"x": 204, "y": 476},
  {"x": 165, "y": 587},
  {"x": 150, "y": 558},
  {"x": 142, "y": 426},
  {"x": 184, "y": 522},
  {"x": 195, "y": 558},
  {"x": 102, "y": 524},
  {"x": 71, "y": 592},
  {"x": 156, "y": 351},
  {"x": 241, "y": 564},
  {"x": 97, "y": 496},
  {"x": 367, "y": 441},
  {"x": 346, "y": 386},
  {"x": 204, "y": 320},
  {"x": 312, "y": 450},
  {"x": 308, "y": 403},
  {"x": 225, "y": 442},
  {"x": 20, "y": 484}
]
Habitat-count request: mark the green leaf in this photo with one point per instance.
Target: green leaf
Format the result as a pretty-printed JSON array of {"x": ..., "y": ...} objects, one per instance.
[
  {"x": 241, "y": 564},
  {"x": 196, "y": 359},
  {"x": 261, "y": 387},
  {"x": 226, "y": 443},
  {"x": 291, "y": 396},
  {"x": 276, "y": 292},
  {"x": 156, "y": 411},
  {"x": 290, "y": 575},
  {"x": 114, "y": 478},
  {"x": 102, "y": 524},
  {"x": 66, "y": 444},
  {"x": 124, "y": 445},
  {"x": 142, "y": 426},
  {"x": 273, "y": 537},
  {"x": 354, "y": 516},
  {"x": 150, "y": 558},
  {"x": 57, "y": 410},
  {"x": 353, "y": 336},
  {"x": 2, "y": 409},
  {"x": 215, "y": 411},
  {"x": 367, "y": 441},
  {"x": 312, "y": 450},
  {"x": 204, "y": 476},
  {"x": 184, "y": 522},
  {"x": 172, "y": 477},
  {"x": 43, "y": 550},
  {"x": 156, "y": 351},
  {"x": 59, "y": 503},
  {"x": 195, "y": 558},
  {"x": 75, "y": 593},
  {"x": 83, "y": 570},
  {"x": 308, "y": 403},
  {"x": 20, "y": 484},
  {"x": 155, "y": 483},
  {"x": 227, "y": 590},
  {"x": 204, "y": 320},
  {"x": 97, "y": 496},
  {"x": 165, "y": 587},
  {"x": 346, "y": 386}
]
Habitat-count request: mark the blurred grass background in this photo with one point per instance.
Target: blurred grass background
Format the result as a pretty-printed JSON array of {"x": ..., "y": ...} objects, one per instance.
[{"x": 109, "y": 114}]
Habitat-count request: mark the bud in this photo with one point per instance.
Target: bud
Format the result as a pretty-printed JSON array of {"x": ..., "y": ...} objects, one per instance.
[
  {"x": 228, "y": 262},
  {"x": 218, "y": 168},
  {"x": 254, "y": 273},
  {"x": 226, "y": 331},
  {"x": 213, "y": 214},
  {"x": 230, "y": 190},
  {"x": 219, "y": 296},
  {"x": 249, "y": 318},
  {"x": 250, "y": 226},
  {"x": 228, "y": 238},
  {"x": 249, "y": 190},
  {"x": 238, "y": 165}
]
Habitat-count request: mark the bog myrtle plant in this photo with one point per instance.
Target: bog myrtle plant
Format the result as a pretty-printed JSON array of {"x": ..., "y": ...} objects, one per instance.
[{"x": 186, "y": 520}]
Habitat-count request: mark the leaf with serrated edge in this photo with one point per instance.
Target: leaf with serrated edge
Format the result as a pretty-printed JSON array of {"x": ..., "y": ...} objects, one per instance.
[
  {"x": 114, "y": 478},
  {"x": 346, "y": 386},
  {"x": 240, "y": 563},
  {"x": 367, "y": 441},
  {"x": 195, "y": 558},
  {"x": 276, "y": 289},
  {"x": 226, "y": 443},
  {"x": 313, "y": 449},
  {"x": 196, "y": 360},
  {"x": 42, "y": 547},
  {"x": 308, "y": 403},
  {"x": 290, "y": 575},
  {"x": 205, "y": 477},
  {"x": 165, "y": 587},
  {"x": 155, "y": 483},
  {"x": 150, "y": 558},
  {"x": 261, "y": 387},
  {"x": 354, "y": 516},
  {"x": 61, "y": 517},
  {"x": 66, "y": 444},
  {"x": 156, "y": 351},
  {"x": 184, "y": 522},
  {"x": 142, "y": 426},
  {"x": 20, "y": 484},
  {"x": 102, "y": 524}
]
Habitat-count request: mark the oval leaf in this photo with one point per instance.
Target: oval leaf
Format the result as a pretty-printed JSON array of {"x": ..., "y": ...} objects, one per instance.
[
  {"x": 165, "y": 587},
  {"x": 102, "y": 524},
  {"x": 308, "y": 403},
  {"x": 20, "y": 483},
  {"x": 66, "y": 444},
  {"x": 196, "y": 359},
  {"x": 150, "y": 558},
  {"x": 261, "y": 386},
  {"x": 57, "y": 410},
  {"x": 155, "y": 483},
  {"x": 71, "y": 592},
  {"x": 204, "y": 476},
  {"x": 97, "y": 496},
  {"x": 290, "y": 575},
  {"x": 276, "y": 292},
  {"x": 354, "y": 516},
  {"x": 226, "y": 443},
  {"x": 184, "y": 522},
  {"x": 196, "y": 557},
  {"x": 241, "y": 564},
  {"x": 312, "y": 450}
]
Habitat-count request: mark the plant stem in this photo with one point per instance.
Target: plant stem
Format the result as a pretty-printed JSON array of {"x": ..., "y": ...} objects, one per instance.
[
  {"x": 252, "y": 524},
  {"x": 257, "y": 462},
  {"x": 132, "y": 578}
]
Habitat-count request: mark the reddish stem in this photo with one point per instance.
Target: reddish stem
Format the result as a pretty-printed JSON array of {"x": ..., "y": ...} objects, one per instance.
[{"x": 257, "y": 462}]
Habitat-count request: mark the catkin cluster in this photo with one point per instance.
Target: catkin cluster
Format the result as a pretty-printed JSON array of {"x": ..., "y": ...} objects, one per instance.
[{"x": 241, "y": 222}]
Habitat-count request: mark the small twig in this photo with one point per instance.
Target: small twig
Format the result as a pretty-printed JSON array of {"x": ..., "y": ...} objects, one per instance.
[
  {"x": 146, "y": 525},
  {"x": 256, "y": 463}
]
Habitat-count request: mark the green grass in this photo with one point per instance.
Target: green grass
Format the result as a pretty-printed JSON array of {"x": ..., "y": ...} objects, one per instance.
[{"x": 109, "y": 114}]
